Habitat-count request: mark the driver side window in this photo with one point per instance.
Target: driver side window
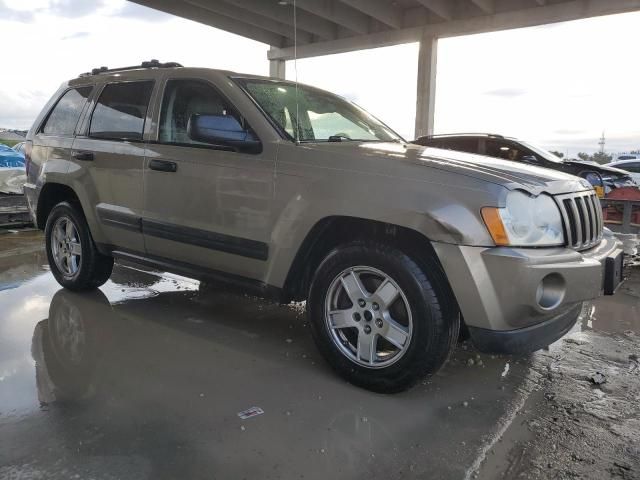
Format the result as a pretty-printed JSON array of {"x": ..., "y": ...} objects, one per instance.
[{"x": 183, "y": 99}]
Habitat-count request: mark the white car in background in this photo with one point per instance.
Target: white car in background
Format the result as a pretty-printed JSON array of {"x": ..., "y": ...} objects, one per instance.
[{"x": 629, "y": 163}]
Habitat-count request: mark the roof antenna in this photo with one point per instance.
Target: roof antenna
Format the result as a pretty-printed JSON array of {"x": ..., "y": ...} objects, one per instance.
[{"x": 295, "y": 69}]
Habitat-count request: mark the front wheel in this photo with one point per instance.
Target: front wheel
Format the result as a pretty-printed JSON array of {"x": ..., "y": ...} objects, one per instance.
[
  {"x": 74, "y": 260},
  {"x": 377, "y": 319}
]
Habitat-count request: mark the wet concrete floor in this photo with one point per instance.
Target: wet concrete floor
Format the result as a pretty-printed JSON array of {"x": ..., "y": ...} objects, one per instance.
[{"x": 144, "y": 379}]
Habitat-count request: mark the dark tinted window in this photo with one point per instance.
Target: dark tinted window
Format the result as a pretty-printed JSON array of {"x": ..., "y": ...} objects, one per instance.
[
  {"x": 64, "y": 116},
  {"x": 464, "y": 144},
  {"x": 506, "y": 150},
  {"x": 121, "y": 111},
  {"x": 630, "y": 167},
  {"x": 184, "y": 98},
  {"x": 469, "y": 145}
]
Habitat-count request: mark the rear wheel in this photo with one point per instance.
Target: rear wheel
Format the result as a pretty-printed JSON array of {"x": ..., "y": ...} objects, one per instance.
[
  {"x": 376, "y": 318},
  {"x": 74, "y": 260}
]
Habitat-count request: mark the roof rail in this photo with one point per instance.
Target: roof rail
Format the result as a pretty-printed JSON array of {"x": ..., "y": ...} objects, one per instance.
[
  {"x": 148, "y": 64},
  {"x": 462, "y": 134}
]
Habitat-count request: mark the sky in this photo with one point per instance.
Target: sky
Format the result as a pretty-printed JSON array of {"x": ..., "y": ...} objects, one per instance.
[{"x": 560, "y": 85}]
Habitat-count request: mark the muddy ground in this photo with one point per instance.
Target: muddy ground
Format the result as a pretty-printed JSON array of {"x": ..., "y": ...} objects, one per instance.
[
  {"x": 144, "y": 379},
  {"x": 582, "y": 415}
]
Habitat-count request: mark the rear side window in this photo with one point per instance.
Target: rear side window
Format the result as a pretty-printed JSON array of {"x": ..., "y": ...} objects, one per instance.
[
  {"x": 63, "y": 118},
  {"x": 505, "y": 150},
  {"x": 121, "y": 111},
  {"x": 468, "y": 145},
  {"x": 630, "y": 167}
]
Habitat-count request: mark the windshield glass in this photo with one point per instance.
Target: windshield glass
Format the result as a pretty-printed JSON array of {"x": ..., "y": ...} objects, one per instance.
[
  {"x": 318, "y": 115},
  {"x": 546, "y": 154}
]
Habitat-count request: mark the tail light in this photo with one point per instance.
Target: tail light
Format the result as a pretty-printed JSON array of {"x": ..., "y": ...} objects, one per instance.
[{"x": 28, "y": 146}]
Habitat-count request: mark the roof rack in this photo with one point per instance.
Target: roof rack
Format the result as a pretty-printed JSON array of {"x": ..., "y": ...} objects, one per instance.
[
  {"x": 148, "y": 64},
  {"x": 462, "y": 134}
]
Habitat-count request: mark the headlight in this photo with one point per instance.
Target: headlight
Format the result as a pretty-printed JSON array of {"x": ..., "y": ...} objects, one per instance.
[{"x": 525, "y": 221}]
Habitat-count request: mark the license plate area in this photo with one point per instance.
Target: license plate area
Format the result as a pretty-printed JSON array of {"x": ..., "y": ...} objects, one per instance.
[{"x": 613, "y": 273}]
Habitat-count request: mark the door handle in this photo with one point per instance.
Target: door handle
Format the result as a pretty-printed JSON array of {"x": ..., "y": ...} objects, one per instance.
[
  {"x": 163, "y": 166},
  {"x": 84, "y": 156}
]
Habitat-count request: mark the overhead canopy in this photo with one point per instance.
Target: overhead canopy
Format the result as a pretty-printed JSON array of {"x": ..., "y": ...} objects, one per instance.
[{"x": 334, "y": 26}]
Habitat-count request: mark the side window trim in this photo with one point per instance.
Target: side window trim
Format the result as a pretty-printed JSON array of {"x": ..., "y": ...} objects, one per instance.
[
  {"x": 96, "y": 101},
  {"x": 43, "y": 123},
  {"x": 81, "y": 127},
  {"x": 161, "y": 94}
]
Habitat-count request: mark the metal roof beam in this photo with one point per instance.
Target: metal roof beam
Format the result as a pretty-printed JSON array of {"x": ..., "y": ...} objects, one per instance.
[
  {"x": 381, "y": 10},
  {"x": 222, "y": 8},
  {"x": 338, "y": 13},
  {"x": 487, "y": 6},
  {"x": 284, "y": 14},
  {"x": 443, "y": 8},
  {"x": 222, "y": 22}
]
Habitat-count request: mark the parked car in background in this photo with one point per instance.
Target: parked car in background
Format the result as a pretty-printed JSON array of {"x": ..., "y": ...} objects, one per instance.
[
  {"x": 604, "y": 178},
  {"x": 627, "y": 156},
  {"x": 19, "y": 147},
  {"x": 294, "y": 193},
  {"x": 631, "y": 165},
  {"x": 13, "y": 205},
  {"x": 12, "y": 171}
]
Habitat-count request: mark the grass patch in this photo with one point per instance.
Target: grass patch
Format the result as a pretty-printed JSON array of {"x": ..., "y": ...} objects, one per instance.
[{"x": 10, "y": 143}]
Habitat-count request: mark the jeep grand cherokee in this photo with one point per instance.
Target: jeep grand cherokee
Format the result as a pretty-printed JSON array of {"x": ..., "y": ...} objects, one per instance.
[{"x": 294, "y": 193}]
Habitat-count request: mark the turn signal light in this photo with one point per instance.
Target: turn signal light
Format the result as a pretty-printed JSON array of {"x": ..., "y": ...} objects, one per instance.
[{"x": 492, "y": 220}]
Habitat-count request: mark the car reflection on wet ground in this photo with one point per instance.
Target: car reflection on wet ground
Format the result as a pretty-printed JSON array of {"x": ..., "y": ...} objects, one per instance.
[{"x": 145, "y": 377}]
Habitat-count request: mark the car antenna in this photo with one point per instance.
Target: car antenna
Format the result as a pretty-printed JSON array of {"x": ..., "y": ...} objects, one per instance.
[{"x": 295, "y": 69}]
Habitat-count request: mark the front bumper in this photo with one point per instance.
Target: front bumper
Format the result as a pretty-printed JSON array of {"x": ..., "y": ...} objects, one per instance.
[{"x": 503, "y": 289}]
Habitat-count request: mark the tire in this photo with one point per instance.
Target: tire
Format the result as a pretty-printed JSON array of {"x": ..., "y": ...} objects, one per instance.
[
  {"x": 415, "y": 333},
  {"x": 79, "y": 266}
]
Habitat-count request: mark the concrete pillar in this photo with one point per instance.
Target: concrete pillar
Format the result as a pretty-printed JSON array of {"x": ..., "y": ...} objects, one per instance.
[
  {"x": 426, "y": 93},
  {"x": 278, "y": 69}
]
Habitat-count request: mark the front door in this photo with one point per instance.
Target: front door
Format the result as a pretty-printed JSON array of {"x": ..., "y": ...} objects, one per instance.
[{"x": 206, "y": 205}]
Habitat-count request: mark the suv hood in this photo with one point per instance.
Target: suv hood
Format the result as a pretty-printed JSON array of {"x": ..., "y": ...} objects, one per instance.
[{"x": 509, "y": 174}]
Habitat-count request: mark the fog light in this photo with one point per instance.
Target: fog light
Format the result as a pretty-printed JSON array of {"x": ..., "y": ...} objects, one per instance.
[{"x": 550, "y": 292}]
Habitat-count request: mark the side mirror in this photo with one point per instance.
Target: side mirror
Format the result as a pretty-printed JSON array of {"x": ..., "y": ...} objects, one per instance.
[
  {"x": 222, "y": 130},
  {"x": 530, "y": 159}
]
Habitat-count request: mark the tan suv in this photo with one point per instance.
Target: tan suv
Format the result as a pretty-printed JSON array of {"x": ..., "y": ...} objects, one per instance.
[{"x": 294, "y": 193}]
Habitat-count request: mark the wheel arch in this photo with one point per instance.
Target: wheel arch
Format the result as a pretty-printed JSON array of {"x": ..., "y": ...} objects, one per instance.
[
  {"x": 50, "y": 195},
  {"x": 332, "y": 231}
]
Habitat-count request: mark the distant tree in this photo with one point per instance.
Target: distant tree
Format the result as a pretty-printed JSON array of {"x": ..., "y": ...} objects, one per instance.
[
  {"x": 601, "y": 157},
  {"x": 557, "y": 154},
  {"x": 635, "y": 152},
  {"x": 598, "y": 157}
]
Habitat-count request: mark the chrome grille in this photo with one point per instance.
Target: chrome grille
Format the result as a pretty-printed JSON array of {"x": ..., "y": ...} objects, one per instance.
[{"x": 582, "y": 218}]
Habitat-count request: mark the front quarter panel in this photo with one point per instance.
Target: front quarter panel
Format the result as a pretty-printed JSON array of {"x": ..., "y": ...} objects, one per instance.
[{"x": 314, "y": 183}]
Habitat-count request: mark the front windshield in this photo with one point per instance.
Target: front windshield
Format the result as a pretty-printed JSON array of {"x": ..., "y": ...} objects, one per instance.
[
  {"x": 319, "y": 116},
  {"x": 546, "y": 154}
]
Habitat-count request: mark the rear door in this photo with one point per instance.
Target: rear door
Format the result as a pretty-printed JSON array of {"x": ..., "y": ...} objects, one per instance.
[
  {"x": 213, "y": 208},
  {"x": 109, "y": 160}
]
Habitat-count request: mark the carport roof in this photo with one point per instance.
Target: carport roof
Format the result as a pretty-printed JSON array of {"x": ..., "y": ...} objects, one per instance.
[{"x": 334, "y": 26}]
